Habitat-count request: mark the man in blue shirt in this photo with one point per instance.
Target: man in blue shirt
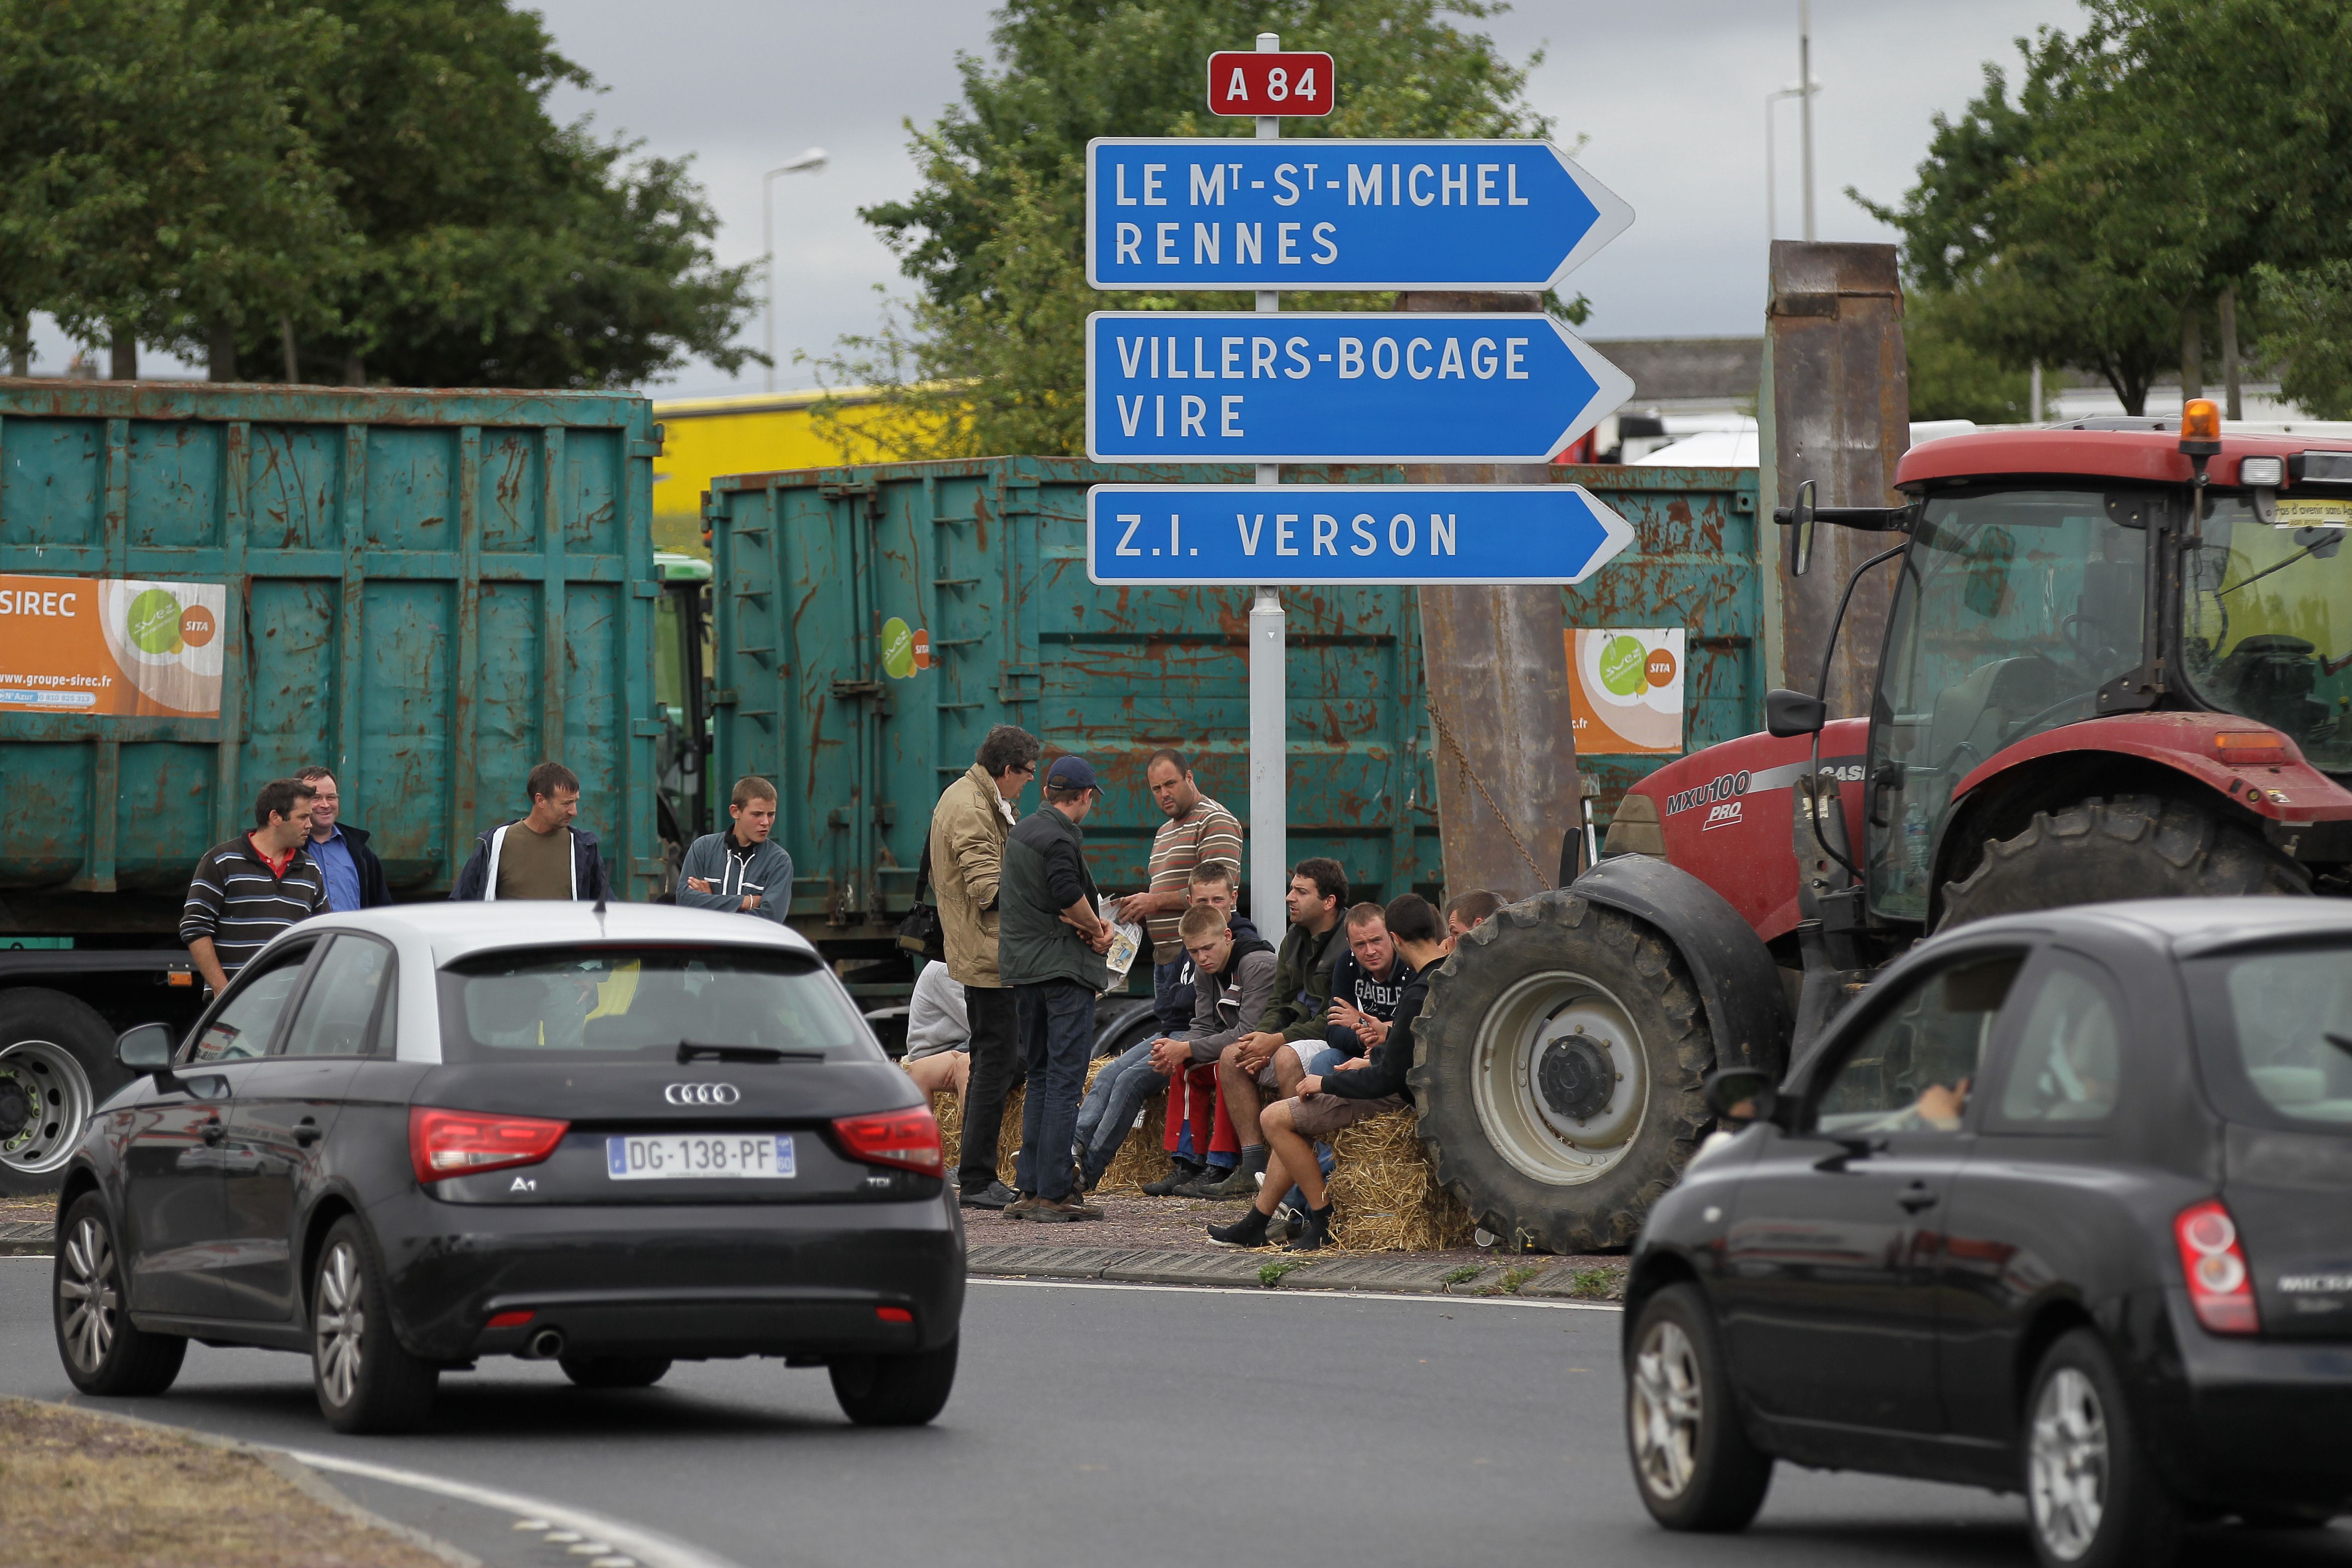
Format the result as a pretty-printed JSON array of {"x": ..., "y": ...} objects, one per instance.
[{"x": 354, "y": 876}]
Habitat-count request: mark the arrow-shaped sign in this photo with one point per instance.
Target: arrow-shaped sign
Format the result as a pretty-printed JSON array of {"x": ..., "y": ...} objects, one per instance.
[
  {"x": 1221, "y": 212},
  {"x": 1167, "y": 535},
  {"x": 1335, "y": 387}
]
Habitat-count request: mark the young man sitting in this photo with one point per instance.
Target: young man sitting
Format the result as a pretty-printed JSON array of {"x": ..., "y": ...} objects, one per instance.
[
  {"x": 1232, "y": 977},
  {"x": 1352, "y": 1092},
  {"x": 1465, "y": 912},
  {"x": 938, "y": 1034},
  {"x": 1257, "y": 1066},
  {"x": 1365, "y": 988}
]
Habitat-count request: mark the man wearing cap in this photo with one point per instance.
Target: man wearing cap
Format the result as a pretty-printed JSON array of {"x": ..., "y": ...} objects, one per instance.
[{"x": 1050, "y": 941}]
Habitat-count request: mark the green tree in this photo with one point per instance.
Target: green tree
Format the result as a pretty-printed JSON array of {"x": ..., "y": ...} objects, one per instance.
[
  {"x": 495, "y": 247},
  {"x": 2146, "y": 164},
  {"x": 1950, "y": 377},
  {"x": 989, "y": 356},
  {"x": 2310, "y": 339},
  {"x": 153, "y": 182}
]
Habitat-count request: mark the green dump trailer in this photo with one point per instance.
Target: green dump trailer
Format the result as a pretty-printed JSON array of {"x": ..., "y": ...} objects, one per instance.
[
  {"x": 871, "y": 624},
  {"x": 427, "y": 591}
]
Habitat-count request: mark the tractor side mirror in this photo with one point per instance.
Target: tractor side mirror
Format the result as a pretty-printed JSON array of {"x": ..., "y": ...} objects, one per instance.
[
  {"x": 1788, "y": 713},
  {"x": 1800, "y": 519},
  {"x": 146, "y": 1048},
  {"x": 1743, "y": 1094}
]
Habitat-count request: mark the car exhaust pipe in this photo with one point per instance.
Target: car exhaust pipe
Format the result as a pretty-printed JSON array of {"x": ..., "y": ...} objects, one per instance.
[{"x": 545, "y": 1345}]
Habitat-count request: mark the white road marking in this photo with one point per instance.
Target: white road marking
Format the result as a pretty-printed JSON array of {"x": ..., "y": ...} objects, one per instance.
[
  {"x": 653, "y": 1549},
  {"x": 1263, "y": 1294}
]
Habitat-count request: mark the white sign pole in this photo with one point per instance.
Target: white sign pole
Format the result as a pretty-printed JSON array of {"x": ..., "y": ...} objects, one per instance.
[{"x": 1269, "y": 813}]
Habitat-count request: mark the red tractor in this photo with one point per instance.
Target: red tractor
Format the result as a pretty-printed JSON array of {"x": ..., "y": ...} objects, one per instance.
[{"x": 2118, "y": 664}]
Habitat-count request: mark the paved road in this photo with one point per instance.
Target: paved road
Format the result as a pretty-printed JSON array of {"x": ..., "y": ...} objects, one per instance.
[{"x": 1122, "y": 1428}]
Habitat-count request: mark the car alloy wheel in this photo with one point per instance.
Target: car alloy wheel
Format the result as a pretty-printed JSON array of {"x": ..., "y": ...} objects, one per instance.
[
  {"x": 342, "y": 1323},
  {"x": 2066, "y": 1465},
  {"x": 1668, "y": 1403},
  {"x": 86, "y": 1282}
]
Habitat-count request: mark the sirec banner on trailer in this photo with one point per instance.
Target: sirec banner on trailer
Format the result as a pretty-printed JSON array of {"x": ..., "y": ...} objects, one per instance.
[{"x": 117, "y": 646}]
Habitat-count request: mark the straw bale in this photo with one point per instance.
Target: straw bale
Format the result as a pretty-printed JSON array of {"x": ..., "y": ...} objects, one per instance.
[
  {"x": 1385, "y": 1197},
  {"x": 1140, "y": 1158}
]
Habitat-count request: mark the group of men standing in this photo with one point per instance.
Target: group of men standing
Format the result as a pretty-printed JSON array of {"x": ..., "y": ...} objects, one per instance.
[
  {"x": 300, "y": 859},
  {"x": 1264, "y": 1050}
]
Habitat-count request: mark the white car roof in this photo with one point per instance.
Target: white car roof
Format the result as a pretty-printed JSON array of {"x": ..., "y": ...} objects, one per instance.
[{"x": 452, "y": 931}]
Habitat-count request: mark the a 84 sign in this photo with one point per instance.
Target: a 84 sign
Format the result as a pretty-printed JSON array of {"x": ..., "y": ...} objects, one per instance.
[{"x": 1263, "y": 85}]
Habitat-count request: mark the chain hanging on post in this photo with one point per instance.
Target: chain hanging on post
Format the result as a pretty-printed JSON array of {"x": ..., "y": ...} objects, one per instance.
[{"x": 1462, "y": 761}]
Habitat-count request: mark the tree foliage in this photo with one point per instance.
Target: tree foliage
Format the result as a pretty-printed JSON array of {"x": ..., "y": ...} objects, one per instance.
[
  {"x": 151, "y": 171},
  {"x": 378, "y": 182},
  {"x": 2143, "y": 165},
  {"x": 990, "y": 355}
]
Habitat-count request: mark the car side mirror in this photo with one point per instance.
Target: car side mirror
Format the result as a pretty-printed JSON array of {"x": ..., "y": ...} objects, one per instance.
[
  {"x": 1743, "y": 1094},
  {"x": 1801, "y": 519},
  {"x": 146, "y": 1048},
  {"x": 1788, "y": 713}
]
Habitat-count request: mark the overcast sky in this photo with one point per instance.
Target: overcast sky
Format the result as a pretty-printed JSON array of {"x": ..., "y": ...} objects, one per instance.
[{"x": 1669, "y": 95}]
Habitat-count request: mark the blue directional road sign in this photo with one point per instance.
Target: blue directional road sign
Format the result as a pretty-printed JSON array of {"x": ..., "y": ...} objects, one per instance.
[
  {"x": 1333, "y": 386},
  {"x": 1217, "y": 213},
  {"x": 1174, "y": 535}
]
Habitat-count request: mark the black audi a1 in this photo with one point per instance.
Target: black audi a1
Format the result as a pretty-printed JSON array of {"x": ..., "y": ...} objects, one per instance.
[
  {"x": 2063, "y": 1205},
  {"x": 406, "y": 1139}
]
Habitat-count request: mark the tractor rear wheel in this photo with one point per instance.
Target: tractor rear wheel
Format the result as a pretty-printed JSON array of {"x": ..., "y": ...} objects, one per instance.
[
  {"x": 2125, "y": 847},
  {"x": 1556, "y": 1065}
]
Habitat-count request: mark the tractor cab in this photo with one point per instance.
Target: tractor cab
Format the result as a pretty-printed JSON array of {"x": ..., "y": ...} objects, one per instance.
[{"x": 2051, "y": 578}]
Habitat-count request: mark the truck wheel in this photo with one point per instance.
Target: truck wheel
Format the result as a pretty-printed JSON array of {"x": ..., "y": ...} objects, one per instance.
[
  {"x": 2129, "y": 847},
  {"x": 56, "y": 1063},
  {"x": 1558, "y": 1066}
]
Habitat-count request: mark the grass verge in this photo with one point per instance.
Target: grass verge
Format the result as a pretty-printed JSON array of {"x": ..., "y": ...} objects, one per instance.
[{"x": 78, "y": 1491}]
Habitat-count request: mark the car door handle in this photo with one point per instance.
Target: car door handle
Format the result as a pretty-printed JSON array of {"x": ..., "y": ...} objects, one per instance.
[
  {"x": 213, "y": 1131},
  {"x": 306, "y": 1131},
  {"x": 1916, "y": 1198}
]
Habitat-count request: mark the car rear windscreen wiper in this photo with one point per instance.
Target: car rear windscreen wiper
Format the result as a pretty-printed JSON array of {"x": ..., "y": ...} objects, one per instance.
[{"x": 693, "y": 1050}]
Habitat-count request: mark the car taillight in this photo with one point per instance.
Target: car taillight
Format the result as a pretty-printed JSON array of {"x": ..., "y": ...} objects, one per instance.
[
  {"x": 2220, "y": 1286},
  {"x": 444, "y": 1143},
  {"x": 906, "y": 1139}
]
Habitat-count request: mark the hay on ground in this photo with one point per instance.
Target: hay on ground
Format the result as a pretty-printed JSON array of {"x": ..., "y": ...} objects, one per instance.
[
  {"x": 1140, "y": 1158},
  {"x": 1384, "y": 1196}
]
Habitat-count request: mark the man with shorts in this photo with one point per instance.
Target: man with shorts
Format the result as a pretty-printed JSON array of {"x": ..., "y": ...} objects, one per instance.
[
  {"x": 1465, "y": 912},
  {"x": 1269, "y": 1059},
  {"x": 1352, "y": 1092}
]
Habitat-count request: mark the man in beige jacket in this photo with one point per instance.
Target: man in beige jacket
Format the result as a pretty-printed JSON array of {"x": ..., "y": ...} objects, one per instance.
[{"x": 968, "y": 830}]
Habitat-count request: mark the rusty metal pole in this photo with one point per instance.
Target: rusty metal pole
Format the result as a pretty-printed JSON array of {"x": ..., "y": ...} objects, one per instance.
[
  {"x": 1494, "y": 660},
  {"x": 1841, "y": 418}
]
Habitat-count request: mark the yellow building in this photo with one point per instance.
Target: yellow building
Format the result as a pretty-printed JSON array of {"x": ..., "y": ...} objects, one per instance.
[{"x": 703, "y": 437}]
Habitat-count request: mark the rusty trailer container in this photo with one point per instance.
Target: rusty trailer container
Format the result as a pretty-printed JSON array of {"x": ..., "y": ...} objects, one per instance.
[
  {"x": 427, "y": 592},
  {"x": 872, "y": 623}
]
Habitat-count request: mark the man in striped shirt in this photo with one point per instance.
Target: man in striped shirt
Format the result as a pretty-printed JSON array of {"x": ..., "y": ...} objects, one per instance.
[
  {"x": 252, "y": 887},
  {"x": 1198, "y": 830}
]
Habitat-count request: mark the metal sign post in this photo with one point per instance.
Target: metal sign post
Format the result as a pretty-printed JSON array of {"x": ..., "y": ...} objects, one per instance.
[{"x": 1269, "y": 643}]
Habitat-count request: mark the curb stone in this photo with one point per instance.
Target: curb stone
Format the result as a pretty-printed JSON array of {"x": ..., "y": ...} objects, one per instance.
[
  {"x": 1381, "y": 1272},
  {"x": 26, "y": 1238}
]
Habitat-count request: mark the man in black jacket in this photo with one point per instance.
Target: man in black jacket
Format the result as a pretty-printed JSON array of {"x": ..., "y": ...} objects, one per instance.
[
  {"x": 1352, "y": 1092},
  {"x": 1050, "y": 938},
  {"x": 354, "y": 876},
  {"x": 541, "y": 855}
]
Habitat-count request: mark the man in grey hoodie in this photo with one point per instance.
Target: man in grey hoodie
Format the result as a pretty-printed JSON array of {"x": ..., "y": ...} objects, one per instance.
[{"x": 742, "y": 868}]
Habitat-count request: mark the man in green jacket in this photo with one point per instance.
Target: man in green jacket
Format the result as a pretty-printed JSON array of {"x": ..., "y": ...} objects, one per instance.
[
  {"x": 1050, "y": 941},
  {"x": 1302, "y": 999}
]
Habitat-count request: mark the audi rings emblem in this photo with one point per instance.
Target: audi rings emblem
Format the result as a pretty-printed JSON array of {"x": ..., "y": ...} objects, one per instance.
[{"x": 702, "y": 1094}]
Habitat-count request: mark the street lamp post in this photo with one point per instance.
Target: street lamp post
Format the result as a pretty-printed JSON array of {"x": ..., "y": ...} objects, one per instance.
[
  {"x": 1772, "y": 164},
  {"x": 807, "y": 163}
]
